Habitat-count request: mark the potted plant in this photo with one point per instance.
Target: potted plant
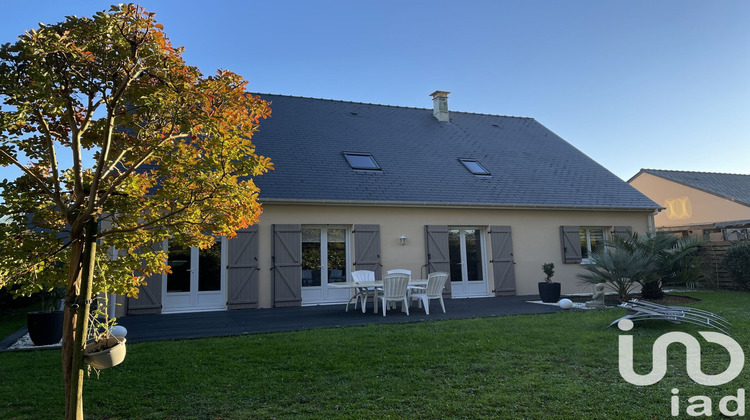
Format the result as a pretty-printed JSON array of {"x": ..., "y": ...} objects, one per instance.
[
  {"x": 103, "y": 349},
  {"x": 45, "y": 326},
  {"x": 549, "y": 291}
]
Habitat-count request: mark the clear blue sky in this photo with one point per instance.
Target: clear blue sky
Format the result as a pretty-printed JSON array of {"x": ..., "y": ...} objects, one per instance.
[{"x": 661, "y": 84}]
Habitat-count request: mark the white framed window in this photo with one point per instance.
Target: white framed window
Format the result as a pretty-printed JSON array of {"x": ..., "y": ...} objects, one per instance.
[{"x": 592, "y": 240}]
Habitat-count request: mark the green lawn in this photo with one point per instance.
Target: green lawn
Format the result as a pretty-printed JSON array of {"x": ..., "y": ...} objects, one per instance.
[
  {"x": 556, "y": 366},
  {"x": 12, "y": 320}
]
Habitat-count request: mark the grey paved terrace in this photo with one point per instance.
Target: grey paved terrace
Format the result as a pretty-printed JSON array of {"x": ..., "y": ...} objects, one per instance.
[{"x": 181, "y": 326}]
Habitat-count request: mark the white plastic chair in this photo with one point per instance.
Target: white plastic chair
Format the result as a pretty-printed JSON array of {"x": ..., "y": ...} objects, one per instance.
[
  {"x": 395, "y": 287},
  {"x": 363, "y": 275},
  {"x": 400, "y": 271},
  {"x": 363, "y": 292},
  {"x": 434, "y": 290}
]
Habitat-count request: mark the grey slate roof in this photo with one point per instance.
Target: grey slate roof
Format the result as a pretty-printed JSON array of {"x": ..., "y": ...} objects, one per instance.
[
  {"x": 734, "y": 187},
  {"x": 530, "y": 165}
]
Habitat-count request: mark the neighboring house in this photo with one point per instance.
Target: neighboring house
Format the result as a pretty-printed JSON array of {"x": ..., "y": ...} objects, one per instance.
[
  {"x": 714, "y": 205},
  {"x": 357, "y": 186}
]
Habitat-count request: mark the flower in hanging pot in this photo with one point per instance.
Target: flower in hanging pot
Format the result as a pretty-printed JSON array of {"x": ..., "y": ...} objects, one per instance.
[
  {"x": 104, "y": 347},
  {"x": 105, "y": 353}
]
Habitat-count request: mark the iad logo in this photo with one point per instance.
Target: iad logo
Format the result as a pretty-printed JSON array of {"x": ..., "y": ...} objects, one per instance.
[
  {"x": 702, "y": 406},
  {"x": 692, "y": 362}
]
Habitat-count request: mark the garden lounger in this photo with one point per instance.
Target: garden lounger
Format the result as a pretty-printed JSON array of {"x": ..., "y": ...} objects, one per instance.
[{"x": 642, "y": 311}]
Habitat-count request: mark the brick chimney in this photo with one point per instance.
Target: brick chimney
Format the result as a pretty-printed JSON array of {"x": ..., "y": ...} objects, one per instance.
[{"x": 440, "y": 105}]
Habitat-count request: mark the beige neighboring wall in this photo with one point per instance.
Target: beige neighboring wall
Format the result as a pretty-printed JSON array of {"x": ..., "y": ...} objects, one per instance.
[
  {"x": 535, "y": 235},
  {"x": 686, "y": 205}
]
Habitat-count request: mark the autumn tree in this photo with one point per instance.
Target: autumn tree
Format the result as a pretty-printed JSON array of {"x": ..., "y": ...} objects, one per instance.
[{"x": 121, "y": 146}]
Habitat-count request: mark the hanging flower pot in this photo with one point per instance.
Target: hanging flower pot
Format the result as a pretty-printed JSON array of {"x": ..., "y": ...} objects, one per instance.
[{"x": 105, "y": 353}]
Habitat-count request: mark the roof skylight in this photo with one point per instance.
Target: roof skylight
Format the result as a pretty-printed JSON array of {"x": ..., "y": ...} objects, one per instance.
[
  {"x": 475, "y": 167},
  {"x": 361, "y": 161}
]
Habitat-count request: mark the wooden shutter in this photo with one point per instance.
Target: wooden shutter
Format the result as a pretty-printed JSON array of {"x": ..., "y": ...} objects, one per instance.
[
  {"x": 287, "y": 265},
  {"x": 622, "y": 231},
  {"x": 367, "y": 249},
  {"x": 436, "y": 247},
  {"x": 503, "y": 266},
  {"x": 149, "y": 295},
  {"x": 242, "y": 269},
  {"x": 570, "y": 239}
]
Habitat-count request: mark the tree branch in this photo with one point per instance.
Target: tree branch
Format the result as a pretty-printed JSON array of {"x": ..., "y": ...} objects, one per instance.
[
  {"x": 27, "y": 171},
  {"x": 146, "y": 225},
  {"x": 53, "y": 161},
  {"x": 185, "y": 206},
  {"x": 78, "y": 192},
  {"x": 132, "y": 74},
  {"x": 30, "y": 267},
  {"x": 145, "y": 157}
]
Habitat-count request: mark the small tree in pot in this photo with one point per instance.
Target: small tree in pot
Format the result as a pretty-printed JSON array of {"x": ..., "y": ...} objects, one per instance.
[{"x": 549, "y": 291}]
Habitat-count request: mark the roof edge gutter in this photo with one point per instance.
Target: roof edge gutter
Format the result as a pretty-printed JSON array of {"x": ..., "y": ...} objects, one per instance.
[{"x": 438, "y": 205}]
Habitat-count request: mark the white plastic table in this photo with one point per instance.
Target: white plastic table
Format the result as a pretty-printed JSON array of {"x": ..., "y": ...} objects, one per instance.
[{"x": 362, "y": 286}]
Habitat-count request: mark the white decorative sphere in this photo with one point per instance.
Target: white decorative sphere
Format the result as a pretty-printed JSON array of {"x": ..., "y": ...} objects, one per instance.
[
  {"x": 565, "y": 303},
  {"x": 118, "y": 331}
]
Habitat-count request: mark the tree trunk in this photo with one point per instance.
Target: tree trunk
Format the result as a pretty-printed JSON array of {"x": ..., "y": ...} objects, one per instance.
[
  {"x": 71, "y": 293},
  {"x": 75, "y": 341}
]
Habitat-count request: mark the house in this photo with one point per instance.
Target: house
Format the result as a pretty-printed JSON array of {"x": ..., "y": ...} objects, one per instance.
[
  {"x": 358, "y": 186},
  {"x": 714, "y": 205}
]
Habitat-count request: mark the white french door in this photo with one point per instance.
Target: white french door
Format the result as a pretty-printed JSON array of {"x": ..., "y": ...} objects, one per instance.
[
  {"x": 197, "y": 281},
  {"x": 466, "y": 251},
  {"x": 325, "y": 251}
]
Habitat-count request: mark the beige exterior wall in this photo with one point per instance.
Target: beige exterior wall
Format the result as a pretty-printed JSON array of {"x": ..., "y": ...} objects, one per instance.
[
  {"x": 536, "y": 236},
  {"x": 687, "y": 206}
]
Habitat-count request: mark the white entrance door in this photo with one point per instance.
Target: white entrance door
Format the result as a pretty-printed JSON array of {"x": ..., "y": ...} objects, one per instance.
[
  {"x": 465, "y": 249},
  {"x": 197, "y": 281},
  {"x": 325, "y": 251}
]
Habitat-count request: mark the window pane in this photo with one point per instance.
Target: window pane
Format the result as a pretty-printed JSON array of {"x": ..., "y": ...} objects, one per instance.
[
  {"x": 179, "y": 261},
  {"x": 592, "y": 240},
  {"x": 454, "y": 253},
  {"x": 584, "y": 244},
  {"x": 596, "y": 238},
  {"x": 475, "y": 167},
  {"x": 361, "y": 161},
  {"x": 209, "y": 268},
  {"x": 473, "y": 255},
  {"x": 310, "y": 257},
  {"x": 336, "y": 255}
]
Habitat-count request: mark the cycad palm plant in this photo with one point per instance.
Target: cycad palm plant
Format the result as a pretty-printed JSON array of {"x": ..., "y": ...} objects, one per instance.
[
  {"x": 649, "y": 260},
  {"x": 619, "y": 269}
]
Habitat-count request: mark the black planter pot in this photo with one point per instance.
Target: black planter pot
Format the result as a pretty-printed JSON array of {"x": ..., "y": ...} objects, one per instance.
[
  {"x": 549, "y": 292},
  {"x": 45, "y": 328}
]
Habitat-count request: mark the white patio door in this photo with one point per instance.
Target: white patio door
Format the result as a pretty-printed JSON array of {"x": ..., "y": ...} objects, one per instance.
[
  {"x": 466, "y": 250},
  {"x": 325, "y": 251},
  {"x": 197, "y": 281}
]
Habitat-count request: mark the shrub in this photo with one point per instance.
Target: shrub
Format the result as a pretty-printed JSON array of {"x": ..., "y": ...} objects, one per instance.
[{"x": 737, "y": 263}]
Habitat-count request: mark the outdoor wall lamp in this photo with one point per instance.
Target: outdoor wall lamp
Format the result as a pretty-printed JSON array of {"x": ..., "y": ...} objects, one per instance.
[{"x": 402, "y": 240}]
